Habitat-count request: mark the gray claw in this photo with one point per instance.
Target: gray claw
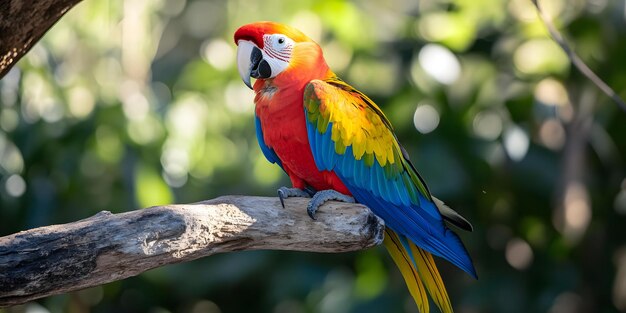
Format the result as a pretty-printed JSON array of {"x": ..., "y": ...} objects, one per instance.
[
  {"x": 282, "y": 196},
  {"x": 324, "y": 196},
  {"x": 311, "y": 211},
  {"x": 284, "y": 193}
]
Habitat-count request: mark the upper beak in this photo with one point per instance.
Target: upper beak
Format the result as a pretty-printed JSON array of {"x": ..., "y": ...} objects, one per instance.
[
  {"x": 244, "y": 60},
  {"x": 250, "y": 62}
]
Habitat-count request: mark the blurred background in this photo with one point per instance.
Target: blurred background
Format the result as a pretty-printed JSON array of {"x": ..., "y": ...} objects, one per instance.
[{"x": 128, "y": 104}]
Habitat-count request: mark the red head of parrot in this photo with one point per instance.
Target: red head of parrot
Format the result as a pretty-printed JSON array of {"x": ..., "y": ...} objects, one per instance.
[{"x": 268, "y": 50}]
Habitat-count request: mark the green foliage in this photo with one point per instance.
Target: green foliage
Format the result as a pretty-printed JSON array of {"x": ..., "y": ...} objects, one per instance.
[{"x": 126, "y": 104}]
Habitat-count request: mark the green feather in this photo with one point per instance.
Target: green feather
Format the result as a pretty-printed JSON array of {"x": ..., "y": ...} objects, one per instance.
[
  {"x": 340, "y": 148},
  {"x": 410, "y": 188},
  {"x": 389, "y": 171},
  {"x": 322, "y": 124},
  {"x": 417, "y": 182},
  {"x": 369, "y": 159}
]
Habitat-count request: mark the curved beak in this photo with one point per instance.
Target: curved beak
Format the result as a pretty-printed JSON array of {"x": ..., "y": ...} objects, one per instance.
[
  {"x": 250, "y": 62},
  {"x": 244, "y": 63}
]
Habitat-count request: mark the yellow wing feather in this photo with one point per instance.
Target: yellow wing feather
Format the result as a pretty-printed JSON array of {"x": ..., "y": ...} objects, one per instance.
[{"x": 357, "y": 122}]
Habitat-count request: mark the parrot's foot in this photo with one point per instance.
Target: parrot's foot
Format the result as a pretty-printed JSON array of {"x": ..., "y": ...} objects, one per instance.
[
  {"x": 324, "y": 196},
  {"x": 284, "y": 193}
]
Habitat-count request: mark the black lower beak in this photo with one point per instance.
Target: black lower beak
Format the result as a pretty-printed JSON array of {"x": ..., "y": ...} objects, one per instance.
[{"x": 259, "y": 68}]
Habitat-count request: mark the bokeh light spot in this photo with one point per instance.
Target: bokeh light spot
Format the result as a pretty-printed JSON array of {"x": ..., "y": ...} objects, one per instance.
[
  {"x": 309, "y": 23},
  {"x": 550, "y": 91},
  {"x": 134, "y": 103},
  {"x": 567, "y": 302},
  {"x": 218, "y": 53},
  {"x": 522, "y": 10},
  {"x": 439, "y": 63},
  {"x": 9, "y": 119},
  {"x": 238, "y": 98},
  {"x": 205, "y": 306},
  {"x": 35, "y": 308},
  {"x": 518, "y": 253},
  {"x": 10, "y": 156},
  {"x": 487, "y": 125},
  {"x": 15, "y": 185},
  {"x": 456, "y": 31},
  {"x": 576, "y": 212},
  {"x": 81, "y": 102},
  {"x": 425, "y": 118},
  {"x": 516, "y": 143},
  {"x": 552, "y": 134},
  {"x": 175, "y": 162},
  {"x": 337, "y": 55},
  {"x": 540, "y": 56}
]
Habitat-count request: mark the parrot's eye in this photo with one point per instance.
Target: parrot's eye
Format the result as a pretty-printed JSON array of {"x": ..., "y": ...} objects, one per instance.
[{"x": 279, "y": 42}]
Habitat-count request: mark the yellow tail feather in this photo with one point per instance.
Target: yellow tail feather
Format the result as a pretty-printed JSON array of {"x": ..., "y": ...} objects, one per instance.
[
  {"x": 419, "y": 270},
  {"x": 427, "y": 269},
  {"x": 404, "y": 263}
]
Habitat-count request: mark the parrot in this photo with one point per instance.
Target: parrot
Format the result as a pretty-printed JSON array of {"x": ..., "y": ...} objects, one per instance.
[{"x": 335, "y": 143}]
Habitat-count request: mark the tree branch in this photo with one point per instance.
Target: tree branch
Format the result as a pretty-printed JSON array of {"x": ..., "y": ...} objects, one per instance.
[
  {"x": 23, "y": 23},
  {"x": 576, "y": 60},
  {"x": 108, "y": 247}
]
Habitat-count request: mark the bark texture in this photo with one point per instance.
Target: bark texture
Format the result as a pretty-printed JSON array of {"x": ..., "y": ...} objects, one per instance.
[
  {"x": 108, "y": 247},
  {"x": 22, "y": 23}
]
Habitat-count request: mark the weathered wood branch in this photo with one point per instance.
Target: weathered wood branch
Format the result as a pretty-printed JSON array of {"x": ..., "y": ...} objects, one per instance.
[
  {"x": 23, "y": 23},
  {"x": 108, "y": 247}
]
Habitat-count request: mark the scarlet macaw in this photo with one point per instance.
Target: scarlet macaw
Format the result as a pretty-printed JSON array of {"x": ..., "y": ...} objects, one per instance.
[{"x": 336, "y": 144}]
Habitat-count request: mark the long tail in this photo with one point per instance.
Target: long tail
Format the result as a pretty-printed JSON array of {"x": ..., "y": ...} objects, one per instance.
[{"x": 419, "y": 271}]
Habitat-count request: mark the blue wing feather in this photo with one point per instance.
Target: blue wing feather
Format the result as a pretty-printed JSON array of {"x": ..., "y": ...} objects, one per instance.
[{"x": 268, "y": 152}]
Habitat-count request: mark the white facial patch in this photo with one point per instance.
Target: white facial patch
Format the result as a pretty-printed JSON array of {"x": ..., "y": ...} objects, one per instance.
[{"x": 277, "y": 51}]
